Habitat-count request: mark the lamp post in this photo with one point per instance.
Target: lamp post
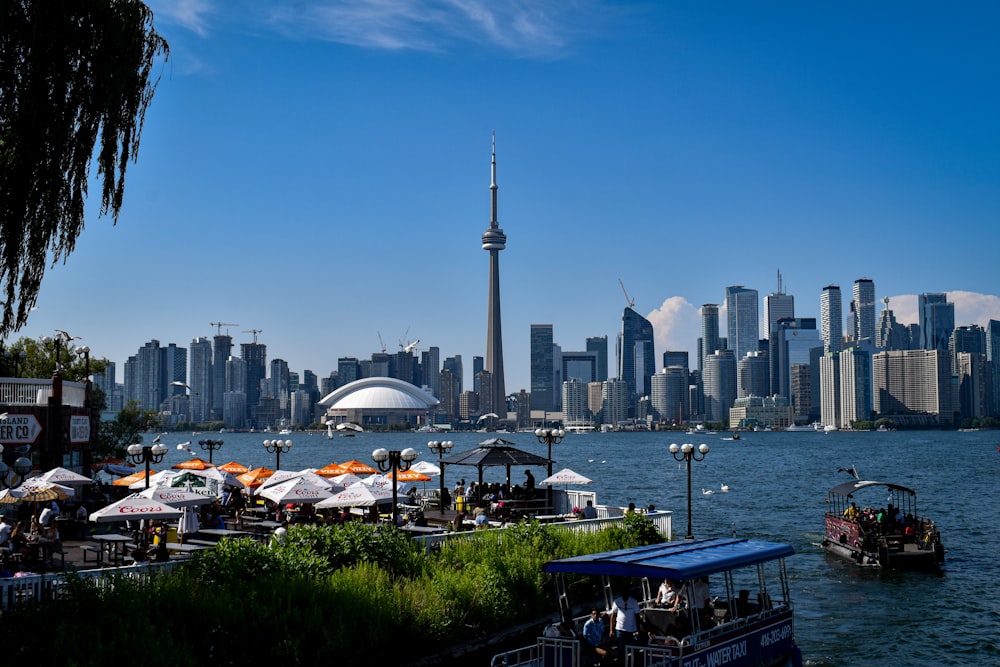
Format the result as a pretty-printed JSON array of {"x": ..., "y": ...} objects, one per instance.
[
  {"x": 440, "y": 447},
  {"x": 278, "y": 447},
  {"x": 212, "y": 446},
  {"x": 390, "y": 461},
  {"x": 547, "y": 436},
  {"x": 84, "y": 353},
  {"x": 687, "y": 453},
  {"x": 152, "y": 453},
  {"x": 21, "y": 467}
]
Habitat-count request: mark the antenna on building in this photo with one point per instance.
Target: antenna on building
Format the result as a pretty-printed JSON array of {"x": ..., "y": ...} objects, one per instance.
[
  {"x": 629, "y": 300},
  {"x": 219, "y": 325},
  {"x": 254, "y": 332}
]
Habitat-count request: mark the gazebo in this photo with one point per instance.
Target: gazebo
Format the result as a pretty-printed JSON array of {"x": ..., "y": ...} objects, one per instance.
[{"x": 494, "y": 452}]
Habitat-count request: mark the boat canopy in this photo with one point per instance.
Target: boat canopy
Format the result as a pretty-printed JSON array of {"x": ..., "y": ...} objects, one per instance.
[
  {"x": 682, "y": 560},
  {"x": 847, "y": 489}
]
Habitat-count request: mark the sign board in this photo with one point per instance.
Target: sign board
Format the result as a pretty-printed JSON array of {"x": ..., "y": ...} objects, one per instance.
[
  {"x": 19, "y": 429},
  {"x": 79, "y": 429}
]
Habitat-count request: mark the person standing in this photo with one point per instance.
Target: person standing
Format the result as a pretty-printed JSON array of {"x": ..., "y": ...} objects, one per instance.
[
  {"x": 529, "y": 484},
  {"x": 624, "y": 620},
  {"x": 593, "y": 635}
]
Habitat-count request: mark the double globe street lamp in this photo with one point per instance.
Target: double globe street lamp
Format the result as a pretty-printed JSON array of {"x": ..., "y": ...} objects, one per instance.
[
  {"x": 687, "y": 453},
  {"x": 211, "y": 446},
  {"x": 440, "y": 447},
  {"x": 390, "y": 461},
  {"x": 152, "y": 453},
  {"x": 20, "y": 468},
  {"x": 277, "y": 447},
  {"x": 548, "y": 436}
]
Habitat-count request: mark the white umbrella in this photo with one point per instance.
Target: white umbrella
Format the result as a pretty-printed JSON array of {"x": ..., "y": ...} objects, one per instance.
[
  {"x": 307, "y": 475},
  {"x": 135, "y": 508},
  {"x": 427, "y": 468},
  {"x": 65, "y": 477},
  {"x": 156, "y": 479},
  {"x": 358, "y": 495},
  {"x": 383, "y": 482},
  {"x": 175, "y": 497},
  {"x": 565, "y": 477},
  {"x": 188, "y": 522},
  {"x": 346, "y": 480},
  {"x": 277, "y": 477},
  {"x": 224, "y": 478},
  {"x": 296, "y": 491}
]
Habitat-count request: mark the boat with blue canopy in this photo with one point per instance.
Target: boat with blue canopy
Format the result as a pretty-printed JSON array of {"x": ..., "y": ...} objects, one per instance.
[{"x": 746, "y": 619}]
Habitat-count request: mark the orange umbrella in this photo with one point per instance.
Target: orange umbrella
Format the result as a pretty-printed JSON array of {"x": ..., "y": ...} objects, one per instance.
[
  {"x": 255, "y": 477},
  {"x": 410, "y": 476},
  {"x": 129, "y": 480},
  {"x": 195, "y": 464},
  {"x": 234, "y": 468},
  {"x": 331, "y": 470},
  {"x": 357, "y": 467}
]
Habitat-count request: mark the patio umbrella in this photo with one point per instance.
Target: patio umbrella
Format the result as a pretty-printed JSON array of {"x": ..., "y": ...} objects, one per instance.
[
  {"x": 255, "y": 477},
  {"x": 159, "y": 479},
  {"x": 331, "y": 470},
  {"x": 358, "y": 495},
  {"x": 221, "y": 476},
  {"x": 234, "y": 468},
  {"x": 427, "y": 468},
  {"x": 383, "y": 482},
  {"x": 410, "y": 475},
  {"x": 65, "y": 477},
  {"x": 194, "y": 464},
  {"x": 295, "y": 491},
  {"x": 175, "y": 497},
  {"x": 36, "y": 490},
  {"x": 9, "y": 497},
  {"x": 282, "y": 476},
  {"x": 134, "y": 508},
  {"x": 346, "y": 480},
  {"x": 188, "y": 522},
  {"x": 129, "y": 480},
  {"x": 192, "y": 480},
  {"x": 565, "y": 477},
  {"x": 357, "y": 467}
]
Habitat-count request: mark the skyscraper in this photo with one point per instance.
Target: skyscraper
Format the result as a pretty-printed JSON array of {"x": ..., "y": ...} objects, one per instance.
[
  {"x": 201, "y": 379},
  {"x": 720, "y": 385},
  {"x": 542, "y": 368},
  {"x": 599, "y": 344},
  {"x": 709, "y": 332},
  {"x": 864, "y": 310},
  {"x": 636, "y": 361},
  {"x": 255, "y": 357},
  {"x": 777, "y": 306},
  {"x": 222, "y": 348},
  {"x": 494, "y": 240},
  {"x": 831, "y": 326},
  {"x": 741, "y": 318},
  {"x": 937, "y": 320}
]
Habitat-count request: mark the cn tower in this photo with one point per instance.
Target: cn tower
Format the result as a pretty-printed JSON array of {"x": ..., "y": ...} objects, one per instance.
[{"x": 494, "y": 240}]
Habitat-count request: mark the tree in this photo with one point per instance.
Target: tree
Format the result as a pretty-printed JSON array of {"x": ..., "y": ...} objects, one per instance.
[
  {"x": 114, "y": 437},
  {"x": 76, "y": 78},
  {"x": 38, "y": 360}
]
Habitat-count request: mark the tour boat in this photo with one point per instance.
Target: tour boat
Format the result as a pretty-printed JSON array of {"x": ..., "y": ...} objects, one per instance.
[
  {"x": 746, "y": 621},
  {"x": 853, "y": 529}
]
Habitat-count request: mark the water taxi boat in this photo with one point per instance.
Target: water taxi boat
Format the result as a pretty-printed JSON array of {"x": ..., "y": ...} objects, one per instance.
[
  {"x": 745, "y": 622},
  {"x": 889, "y": 533}
]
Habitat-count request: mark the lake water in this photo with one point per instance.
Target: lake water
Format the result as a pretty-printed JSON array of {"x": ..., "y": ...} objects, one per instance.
[{"x": 845, "y": 616}]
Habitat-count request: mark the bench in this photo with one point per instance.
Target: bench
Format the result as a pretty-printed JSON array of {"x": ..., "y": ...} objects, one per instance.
[
  {"x": 51, "y": 558},
  {"x": 94, "y": 549},
  {"x": 204, "y": 543}
]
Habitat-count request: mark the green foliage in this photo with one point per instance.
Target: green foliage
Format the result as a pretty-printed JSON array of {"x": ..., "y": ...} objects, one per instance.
[
  {"x": 636, "y": 529},
  {"x": 76, "y": 79},
  {"x": 114, "y": 437},
  {"x": 347, "y": 595},
  {"x": 31, "y": 358}
]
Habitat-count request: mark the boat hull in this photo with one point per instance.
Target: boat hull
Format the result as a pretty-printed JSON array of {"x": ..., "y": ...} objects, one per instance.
[{"x": 843, "y": 539}]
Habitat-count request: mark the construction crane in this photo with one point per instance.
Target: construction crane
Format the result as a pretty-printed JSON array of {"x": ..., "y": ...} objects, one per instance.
[
  {"x": 254, "y": 332},
  {"x": 629, "y": 300},
  {"x": 219, "y": 325},
  {"x": 380, "y": 341}
]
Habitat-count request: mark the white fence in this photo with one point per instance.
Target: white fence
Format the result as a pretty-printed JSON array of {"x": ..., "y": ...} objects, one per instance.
[
  {"x": 38, "y": 587},
  {"x": 29, "y": 391}
]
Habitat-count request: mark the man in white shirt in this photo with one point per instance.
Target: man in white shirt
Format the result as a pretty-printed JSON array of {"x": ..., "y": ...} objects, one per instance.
[
  {"x": 5, "y": 530},
  {"x": 624, "y": 620}
]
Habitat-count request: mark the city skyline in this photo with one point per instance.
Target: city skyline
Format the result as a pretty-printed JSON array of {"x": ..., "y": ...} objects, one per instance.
[{"x": 319, "y": 173}]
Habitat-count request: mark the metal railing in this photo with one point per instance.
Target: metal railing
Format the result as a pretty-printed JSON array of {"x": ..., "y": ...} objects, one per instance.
[{"x": 33, "y": 392}]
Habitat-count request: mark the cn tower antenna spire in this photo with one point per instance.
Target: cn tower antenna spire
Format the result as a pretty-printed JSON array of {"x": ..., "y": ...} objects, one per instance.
[{"x": 494, "y": 240}]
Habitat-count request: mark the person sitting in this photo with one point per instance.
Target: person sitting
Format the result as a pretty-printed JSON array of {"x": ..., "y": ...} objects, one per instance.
[
  {"x": 5, "y": 530},
  {"x": 139, "y": 556},
  {"x": 563, "y": 628},
  {"x": 481, "y": 520},
  {"x": 744, "y": 607},
  {"x": 666, "y": 595},
  {"x": 458, "y": 523},
  {"x": 590, "y": 512}
]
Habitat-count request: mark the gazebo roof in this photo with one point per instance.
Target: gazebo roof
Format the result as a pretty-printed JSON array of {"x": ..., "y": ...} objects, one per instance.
[{"x": 495, "y": 455}]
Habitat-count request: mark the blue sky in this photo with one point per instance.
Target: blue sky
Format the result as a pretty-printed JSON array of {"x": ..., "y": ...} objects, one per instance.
[{"x": 320, "y": 171}]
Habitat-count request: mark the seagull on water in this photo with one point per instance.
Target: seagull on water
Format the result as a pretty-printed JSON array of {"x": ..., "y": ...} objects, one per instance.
[
  {"x": 707, "y": 492},
  {"x": 725, "y": 488}
]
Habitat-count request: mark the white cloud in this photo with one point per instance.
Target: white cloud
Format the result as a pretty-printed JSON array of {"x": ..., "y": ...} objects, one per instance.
[
  {"x": 970, "y": 308},
  {"x": 676, "y": 326},
  {"x": 191, "y": 14}
]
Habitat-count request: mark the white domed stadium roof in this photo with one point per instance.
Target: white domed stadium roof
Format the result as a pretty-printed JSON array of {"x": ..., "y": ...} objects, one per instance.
[{"x": 379, "y": 393}]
